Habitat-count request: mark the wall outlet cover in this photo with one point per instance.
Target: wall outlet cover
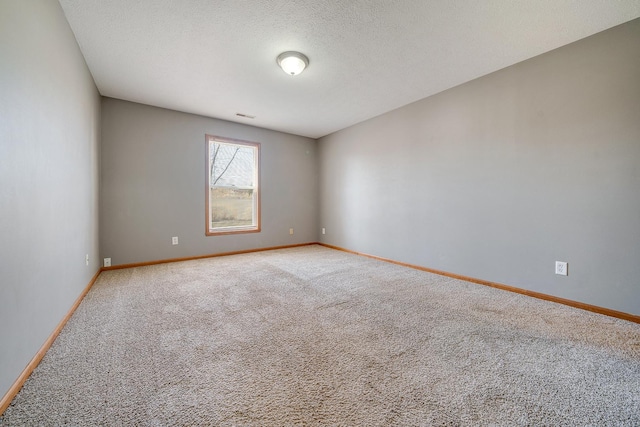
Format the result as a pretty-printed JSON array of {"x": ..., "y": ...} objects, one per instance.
[
  {"x": 107, "y": 262},
  {"x": 174, "y": 240},
  {"x": 562, "y": 268}
]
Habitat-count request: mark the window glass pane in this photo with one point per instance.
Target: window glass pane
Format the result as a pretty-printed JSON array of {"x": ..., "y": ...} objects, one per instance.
[
  {"x": 232, "y": 165},
  {"x": 231, "y": 207}
]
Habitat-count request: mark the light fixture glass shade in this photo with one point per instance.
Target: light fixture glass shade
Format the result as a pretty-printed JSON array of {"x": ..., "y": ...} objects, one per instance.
[{"x": 292, "y": 63}]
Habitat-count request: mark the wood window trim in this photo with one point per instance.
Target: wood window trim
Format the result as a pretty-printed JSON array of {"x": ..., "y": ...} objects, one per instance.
[{"x": 258, "y": 207}]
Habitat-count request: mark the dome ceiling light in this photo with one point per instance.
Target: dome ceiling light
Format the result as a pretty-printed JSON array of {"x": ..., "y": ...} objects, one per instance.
[{"x": 292, "y": 63}]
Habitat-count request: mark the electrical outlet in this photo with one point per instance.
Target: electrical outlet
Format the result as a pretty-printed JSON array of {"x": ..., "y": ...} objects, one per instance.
[
  {"x": 324, "y": 231},
  {"x": 562, "y": 268},
  {"x": 86, "y": 259},
  {"x": 291, "y": 231},
  {"x": 174, "y": 240},
  {"x": 107, "y": 262}
]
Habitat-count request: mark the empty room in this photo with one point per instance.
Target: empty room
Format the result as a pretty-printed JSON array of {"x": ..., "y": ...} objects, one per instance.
[{"x": 341, "y": 213}]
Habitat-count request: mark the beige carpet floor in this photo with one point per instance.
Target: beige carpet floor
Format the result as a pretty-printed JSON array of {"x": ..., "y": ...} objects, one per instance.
[{"x": 313, "y": 336}]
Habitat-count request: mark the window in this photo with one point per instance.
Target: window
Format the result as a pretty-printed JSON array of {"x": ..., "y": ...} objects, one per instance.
[{"x": 232, "y": 188}]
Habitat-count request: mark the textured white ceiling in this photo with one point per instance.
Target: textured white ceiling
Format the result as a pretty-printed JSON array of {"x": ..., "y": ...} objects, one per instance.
[{"x": 218, "y": 57}]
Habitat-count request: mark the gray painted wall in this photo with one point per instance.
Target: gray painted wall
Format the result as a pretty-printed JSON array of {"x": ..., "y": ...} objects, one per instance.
[
  {"x": 500, "y": 177},
  {"x": 49, "y": 136},
  {"x": 153, "y": 185}
]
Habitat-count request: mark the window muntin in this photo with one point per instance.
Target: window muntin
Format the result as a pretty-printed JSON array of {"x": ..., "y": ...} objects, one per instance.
[{"x": 232, "y": 187}]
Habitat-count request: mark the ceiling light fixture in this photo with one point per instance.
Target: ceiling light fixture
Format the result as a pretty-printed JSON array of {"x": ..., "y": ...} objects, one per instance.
[{"x": 292, "y": 63}]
